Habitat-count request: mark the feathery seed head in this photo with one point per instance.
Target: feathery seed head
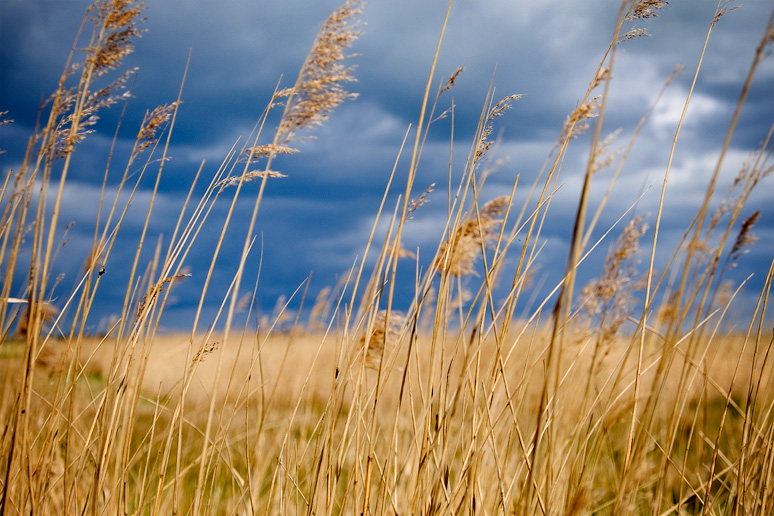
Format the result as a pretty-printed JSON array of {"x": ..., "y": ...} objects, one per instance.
[
  {"x": 725, "y": 9},
  {"x": 602, "y": 75},
  {"x": 745, "y": 237},
  {"x": 283, "y": 93},
  {"x": 254, "y": 174},
  {"x": 204, "y": 351},
  {"x": 633, "y": 33},
  {"x": 457, "y": 255},
  {"x": 642, "y": 9},
  {"x": 45, "y": 311},
  {"x": 612, "y": 293},
  {"x": 603, "y": 156},
  {"x": 483, "y": 143},
  {"x": 151, "y": 125},
  {"x": 416, "y": 204},
  {"x": 453, "y": 77},
  {"x": 262, "y": 151},
  {"x": 117, "y": 21},
  {"x": 384, "y": 335},
  {"x": 319, "y": 89},
  {"x": 64, "y": 138},
  {"x": 577, "y": 122},
  {"x": 320, "y": 309}
]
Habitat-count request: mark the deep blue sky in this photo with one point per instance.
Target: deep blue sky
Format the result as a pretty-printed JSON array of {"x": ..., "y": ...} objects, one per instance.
[{"x": 317, "y": 220}]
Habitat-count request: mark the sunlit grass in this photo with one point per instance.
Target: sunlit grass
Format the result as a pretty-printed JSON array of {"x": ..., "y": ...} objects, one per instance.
[{"x": 626, "y": 395}]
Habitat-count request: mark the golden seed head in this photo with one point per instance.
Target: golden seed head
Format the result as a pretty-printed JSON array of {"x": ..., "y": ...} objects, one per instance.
[{"x": 384, "y": 335}]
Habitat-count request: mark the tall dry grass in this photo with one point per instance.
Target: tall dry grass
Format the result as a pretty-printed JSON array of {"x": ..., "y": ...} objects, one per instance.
[{"x": 455, "y": 404}]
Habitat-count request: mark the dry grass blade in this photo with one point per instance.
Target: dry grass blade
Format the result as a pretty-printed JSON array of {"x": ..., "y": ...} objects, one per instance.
[{"x": 470, "y": 409}]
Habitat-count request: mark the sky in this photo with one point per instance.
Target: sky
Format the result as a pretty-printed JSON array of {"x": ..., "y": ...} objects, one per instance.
[{"x": 316, "y": 221}]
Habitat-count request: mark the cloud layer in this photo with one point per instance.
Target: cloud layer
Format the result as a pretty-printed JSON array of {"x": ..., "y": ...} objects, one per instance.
[{"x": 318, "y": 219}]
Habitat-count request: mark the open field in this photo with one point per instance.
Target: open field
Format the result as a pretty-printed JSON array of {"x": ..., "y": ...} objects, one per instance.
[
  {"x": 643, "y": 391},
  {"x": 290, "y": 436}
]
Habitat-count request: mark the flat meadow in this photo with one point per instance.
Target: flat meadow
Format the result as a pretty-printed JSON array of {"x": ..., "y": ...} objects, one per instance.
[{"x": 642, "y": 391}]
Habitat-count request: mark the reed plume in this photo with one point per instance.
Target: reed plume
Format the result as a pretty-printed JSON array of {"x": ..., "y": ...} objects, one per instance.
[
  {"x": 745, "y": 237},
  {"x": 249, "y": 176},
  {"x": 319, "y": 87},
  {"x": 384, "y": 336},
  {"x": 262, "y": 151},
  {"x": 458, "y": 254},
  {"x": 118, "y": 21},
  {"x": 644, "y": 9},
  {"x": 610, "y": 296},
  {"x": 45, "y": 312},
  {"x": 484, "y": 143},
  {"x": 152, "y": 123},
  {"x": 577, "y": 123}
]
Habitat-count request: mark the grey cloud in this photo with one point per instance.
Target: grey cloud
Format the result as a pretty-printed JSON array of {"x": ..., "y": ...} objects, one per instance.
[{"x": 547, "y": 51}]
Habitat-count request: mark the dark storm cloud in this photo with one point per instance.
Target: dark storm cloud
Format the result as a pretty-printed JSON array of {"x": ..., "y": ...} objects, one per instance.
[{"x": 319, "y": 217}]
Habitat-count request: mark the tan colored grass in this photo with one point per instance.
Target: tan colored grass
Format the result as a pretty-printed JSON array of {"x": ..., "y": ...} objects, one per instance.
[
  {"x": 383, "y": 337},
  {"x": 471, "y": 410},
  {"x": 457, "y": 256},
  {"x": 44, "y": 312},
  {"x": 608, "y": 300}
]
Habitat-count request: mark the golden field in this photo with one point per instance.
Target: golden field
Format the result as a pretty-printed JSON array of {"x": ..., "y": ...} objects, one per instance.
[{"x": 626, "y": 395}]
